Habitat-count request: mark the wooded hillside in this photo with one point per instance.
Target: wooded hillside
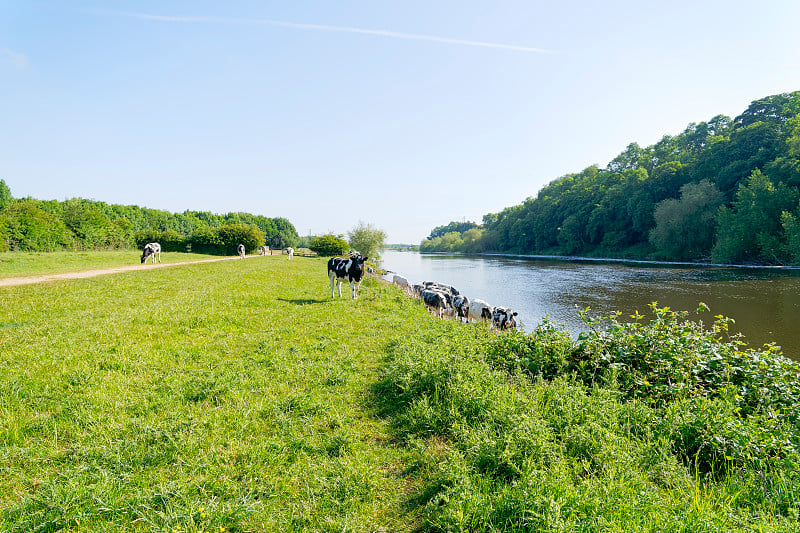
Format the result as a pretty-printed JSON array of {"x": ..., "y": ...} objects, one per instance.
[{"x": 725, "y": 190}]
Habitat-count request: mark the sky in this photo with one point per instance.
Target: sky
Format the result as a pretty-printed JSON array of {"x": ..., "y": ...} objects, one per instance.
[{"x": 401, "y": 114}]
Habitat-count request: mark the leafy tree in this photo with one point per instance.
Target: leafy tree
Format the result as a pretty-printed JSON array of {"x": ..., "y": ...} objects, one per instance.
[
  {"x": 329, "y": 245},
  {"x": 748, "y": 229},
  {"x": 5, "y": 195},
  {"x": 28, "y": 227},
  {"x": 367, "y": 239},
  {"x": 685, "y": 227}
]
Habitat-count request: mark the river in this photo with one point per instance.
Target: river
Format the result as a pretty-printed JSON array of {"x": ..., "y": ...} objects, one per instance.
[{"x": 765, "y": 303}]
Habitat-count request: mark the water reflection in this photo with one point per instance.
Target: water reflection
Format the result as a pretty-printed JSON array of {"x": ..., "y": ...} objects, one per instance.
[{"x": 764, "y": 303}]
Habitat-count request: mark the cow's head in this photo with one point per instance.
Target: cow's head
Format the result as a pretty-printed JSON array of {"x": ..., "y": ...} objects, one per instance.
[{"x": 504, "y": 318}]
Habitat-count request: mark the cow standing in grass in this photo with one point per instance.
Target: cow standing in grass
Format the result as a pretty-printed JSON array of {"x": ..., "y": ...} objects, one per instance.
[
  {"x": 350, "y": 270},
  {"x": 289, "y": 253},
  {"x": 153, "y": 250},
  {"x": 263, "y": 250},
  {"x": 240, "y": 250}
]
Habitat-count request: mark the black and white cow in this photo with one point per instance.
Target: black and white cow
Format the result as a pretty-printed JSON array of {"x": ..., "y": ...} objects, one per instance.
[
  {"x": 289, "y": 253},
  {"x": 480, "y": 310},
  {"x": 350, "y": 270},
  {"x": 263, "y": 250},
  {"x": 435, "y": 285},
  {"x": 503, "y": 318},
  {"x": 153, "y": 250},
  {"x": 435, "y": 301},
  {"x": 240, "y": 250},
  {"x": 461, "y": 307}
]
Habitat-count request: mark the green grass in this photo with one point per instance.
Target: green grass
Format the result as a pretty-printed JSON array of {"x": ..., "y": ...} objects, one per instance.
[
  {"x": 238, "y": 394},
  {"x": 16, "y": 264}
]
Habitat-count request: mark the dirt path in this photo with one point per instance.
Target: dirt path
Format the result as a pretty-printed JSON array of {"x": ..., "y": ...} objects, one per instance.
[{"x": 10, "y": 282}]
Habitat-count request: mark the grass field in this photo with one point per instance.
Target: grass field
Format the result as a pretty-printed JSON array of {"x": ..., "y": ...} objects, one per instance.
[
  {"x": 233, "y": 394},
  {"x": 15, "y": 264},
  {"x": 237, "y": 396}
]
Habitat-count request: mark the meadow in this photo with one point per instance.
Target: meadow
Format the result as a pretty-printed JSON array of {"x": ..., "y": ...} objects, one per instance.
[{"x": 238, "y": 396}]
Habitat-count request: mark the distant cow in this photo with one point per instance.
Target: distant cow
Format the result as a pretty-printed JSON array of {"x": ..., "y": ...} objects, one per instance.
[
  {"x": 435, "y": 301},
  {"x": 480, "y": 310},
  {"x": 263, "y": 250},
  {"x": 289, "y": 253},
  {"x": 503, "y": 318},
  {"x": 240, "y": 250},
  {"x": 350, "y": 270},
  {"x": 153, "y": 250}
]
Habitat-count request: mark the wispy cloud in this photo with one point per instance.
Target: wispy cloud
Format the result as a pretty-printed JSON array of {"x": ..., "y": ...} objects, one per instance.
[
  {"x": 343, "y": 29},
  {"x": 15, "y": 58}
]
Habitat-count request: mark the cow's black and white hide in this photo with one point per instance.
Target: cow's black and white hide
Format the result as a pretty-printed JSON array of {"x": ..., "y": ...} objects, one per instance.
[
  {"x": 480, "y": 310},
  {"x": 240, "y": 250},
  {"x": 289, "y": 253},
  {"x": 441, "y": 287},
  {"x": 416, "y": 290},
  {"x": 435, "y": 301},
  {"x": 153, "y": 250},
  {"x": 350, "y": 270},
  {"x": 263, "y": 250},
  {"x": 461, "y": 307},
  {"x": 503, "y": 318}
]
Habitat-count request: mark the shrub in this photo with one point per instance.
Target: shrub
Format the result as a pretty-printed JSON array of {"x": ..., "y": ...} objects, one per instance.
[{"x": 328, "y": 245}]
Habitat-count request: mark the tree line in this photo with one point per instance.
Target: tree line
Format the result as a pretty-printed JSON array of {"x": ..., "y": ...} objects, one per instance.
[
  {"x": 726, "y": 190},
  {"x": 27, "y": 224}
]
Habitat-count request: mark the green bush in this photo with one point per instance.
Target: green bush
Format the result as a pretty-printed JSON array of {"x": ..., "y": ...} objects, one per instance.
[
  {"x": 328, "y": 245},
  {"x": 30, "y": 228}
]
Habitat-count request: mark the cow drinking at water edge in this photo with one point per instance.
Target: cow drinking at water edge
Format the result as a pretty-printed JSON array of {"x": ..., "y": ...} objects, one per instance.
[
  {"x": 152, "y": 249},
  {"x": 350, "y": 270}
]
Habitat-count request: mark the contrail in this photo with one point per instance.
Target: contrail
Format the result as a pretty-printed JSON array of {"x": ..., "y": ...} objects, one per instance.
[
  {"x": 15, "y": 58},
  {"x": 343, "y": 29}
]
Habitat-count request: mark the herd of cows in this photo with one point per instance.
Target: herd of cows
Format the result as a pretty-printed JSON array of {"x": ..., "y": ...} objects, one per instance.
[
  {"x": 445, "y": 300},
  {"x": 442, "y": 300}
]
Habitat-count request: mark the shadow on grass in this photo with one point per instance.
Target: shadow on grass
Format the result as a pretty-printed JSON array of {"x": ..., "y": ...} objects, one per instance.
[{"x": 302, "y": 301}]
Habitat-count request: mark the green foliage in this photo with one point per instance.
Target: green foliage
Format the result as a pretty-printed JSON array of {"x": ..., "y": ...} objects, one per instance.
[
  {"x": 685, "y": 227},
  {"x": 329, "y": 245},
  {"x": 458, "y": 227},
  {"x": 28, "y": 227},
  {"x": 224, "y": 240},
  {"x": 612, "y": 212},
  {"x": 749, "y": 230},
  {"x": 5, "y": 195},
  {"x": 367, "y": 239}
]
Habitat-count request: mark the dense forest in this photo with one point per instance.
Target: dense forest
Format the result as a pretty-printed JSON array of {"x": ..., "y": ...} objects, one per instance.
[
  {"x": 726, "y": 190},
  {"x": 47, "y": 225}
]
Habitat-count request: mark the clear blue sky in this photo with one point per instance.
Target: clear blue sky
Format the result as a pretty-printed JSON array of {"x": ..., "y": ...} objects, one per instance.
[{"x": 403, "y": 114}]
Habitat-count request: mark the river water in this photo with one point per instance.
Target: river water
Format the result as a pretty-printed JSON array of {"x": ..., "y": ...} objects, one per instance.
[{"x": 765, "y": 303}]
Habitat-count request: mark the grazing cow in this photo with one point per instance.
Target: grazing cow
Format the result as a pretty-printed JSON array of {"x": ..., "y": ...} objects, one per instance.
[
  {"x": 503, "y": 318},
  {"x": 289, "y": 253},
  {"x": 350, "y": 270},
  {"x": 240, "y": 250},
  {"x": 263, "y": 250},
  {"x": 435, "y": 301},
  {"x": 153, "y": 250},
  {"x": 480, "y": 310},
  {"x": 461, "y": 307},
  {"x": 416, "y": 289},
  {"x": 401, "y": 282},
  {"x": 435, "y": 285}
]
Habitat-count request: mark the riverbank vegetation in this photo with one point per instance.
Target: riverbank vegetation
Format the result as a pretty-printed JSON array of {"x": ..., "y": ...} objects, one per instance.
[
  {"x": 238, "y": 395},
  {"x": 725, "y": 190},
  {"x": 33, "y": 225}
]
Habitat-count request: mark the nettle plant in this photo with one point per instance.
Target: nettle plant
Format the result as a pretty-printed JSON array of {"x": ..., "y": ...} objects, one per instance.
[{"x": 715, "y": 398}]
